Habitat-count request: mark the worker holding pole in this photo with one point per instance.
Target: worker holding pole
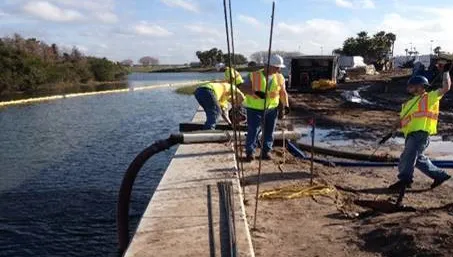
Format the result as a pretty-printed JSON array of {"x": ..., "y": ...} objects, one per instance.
[
  {"x": 254, "y": 87},
  {"x": 418, "y": 120}
]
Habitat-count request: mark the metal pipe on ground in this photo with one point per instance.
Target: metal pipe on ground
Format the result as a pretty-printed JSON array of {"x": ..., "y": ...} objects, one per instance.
[
  {"x": 193, "y": 126},
  {"x": 296, "y": 151}
]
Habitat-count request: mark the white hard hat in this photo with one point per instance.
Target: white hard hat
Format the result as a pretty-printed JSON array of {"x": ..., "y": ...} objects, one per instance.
[{"x": 277, "y": 61}]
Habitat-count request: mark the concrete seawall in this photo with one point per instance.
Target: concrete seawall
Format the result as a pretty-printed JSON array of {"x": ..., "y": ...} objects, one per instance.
[{"x": 176, "y": 221}]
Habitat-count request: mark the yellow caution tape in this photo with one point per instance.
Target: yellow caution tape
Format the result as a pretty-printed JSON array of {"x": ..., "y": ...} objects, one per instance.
[{"x": 296, "y": 191}]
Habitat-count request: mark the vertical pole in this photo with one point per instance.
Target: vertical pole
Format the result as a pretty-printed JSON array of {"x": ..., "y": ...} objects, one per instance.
[
  {"x": 231, "y": 82},
  {"x": 264, "y": 117},
  {"x": 312, "y": 148},
  {"x": 235, "y": 96}
]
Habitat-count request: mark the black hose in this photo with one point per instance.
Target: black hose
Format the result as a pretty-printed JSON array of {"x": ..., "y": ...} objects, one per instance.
[{"x": 128, "y": 181}]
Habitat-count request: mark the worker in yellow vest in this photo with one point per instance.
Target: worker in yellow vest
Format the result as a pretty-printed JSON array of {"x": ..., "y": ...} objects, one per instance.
[
  {"x": 237, "y": 78},
  {"x": 418, "y": 120},
  {"x": 254, "y": 88},
  {"x": 214, "y": 98}
]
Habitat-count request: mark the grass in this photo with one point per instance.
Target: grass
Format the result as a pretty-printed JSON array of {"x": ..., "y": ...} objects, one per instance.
[{"x": 187, "y": 90}]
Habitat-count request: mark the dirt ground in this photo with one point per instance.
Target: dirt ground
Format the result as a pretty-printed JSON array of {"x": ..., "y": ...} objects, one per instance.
[
  {"x": 336, "y": 224},
  {"x": 355, "y": 219}
]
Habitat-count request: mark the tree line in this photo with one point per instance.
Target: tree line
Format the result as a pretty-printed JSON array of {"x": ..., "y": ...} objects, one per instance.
[
  {"x": 372, "y": 48},
  {"x": 145, "y": 61},
  {"x": 28, "y": 65},
  {"x": 214, "y": 56}
]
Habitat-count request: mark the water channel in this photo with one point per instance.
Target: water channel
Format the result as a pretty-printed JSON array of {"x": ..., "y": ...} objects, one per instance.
[{"x": 62, "y": 161}]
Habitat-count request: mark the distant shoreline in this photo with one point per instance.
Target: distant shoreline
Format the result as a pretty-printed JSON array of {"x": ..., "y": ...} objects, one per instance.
[
  {"x": 187, "y": 69},
  {"x": 47, "y": 97},
  {"x": 50, "y": 91}
]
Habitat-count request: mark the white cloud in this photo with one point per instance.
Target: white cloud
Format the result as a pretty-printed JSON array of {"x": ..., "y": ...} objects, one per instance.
[
  {"x": 431, "y": 24},
  {"x": 249, "y": 20},
  {"x": 203, "y": 30},
  {"x": 311, "y": 35},
  {"x": 47, "y": 11},
  {"x": 106, "y": 17},
  {"x": 90, "y": 5},
  {"x": 368, "y": 4},
  {"x": 355, "y": 4},
  {"x": 185, "y": 4},
  {"x": 146, "y": 29},
  {"x": 344, "y": 3}
]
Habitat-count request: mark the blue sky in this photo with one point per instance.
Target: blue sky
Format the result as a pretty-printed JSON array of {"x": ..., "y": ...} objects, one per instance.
[{"x": 172, "y": 30}]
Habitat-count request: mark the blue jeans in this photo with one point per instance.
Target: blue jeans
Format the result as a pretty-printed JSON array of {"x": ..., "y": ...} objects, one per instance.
[
  {"x": 208, "y": 102},
  {"x": 254, "y": 119},
  {"x": 412, "y": 156}
]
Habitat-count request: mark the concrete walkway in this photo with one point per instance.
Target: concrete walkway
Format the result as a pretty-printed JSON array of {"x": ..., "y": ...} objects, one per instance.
[{"x": 176, "y": 222}]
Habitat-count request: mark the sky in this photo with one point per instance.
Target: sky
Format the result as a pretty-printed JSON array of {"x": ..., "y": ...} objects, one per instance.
[{"x": 173, "y": 30}]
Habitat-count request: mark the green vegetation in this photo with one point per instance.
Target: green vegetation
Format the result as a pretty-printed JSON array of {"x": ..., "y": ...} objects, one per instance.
[
  {"x": 187, "y": 90},
  {"x": 373, "y": 49},
  {"x": 213, "y": 56},
  {"x": 30, "y": 67}
]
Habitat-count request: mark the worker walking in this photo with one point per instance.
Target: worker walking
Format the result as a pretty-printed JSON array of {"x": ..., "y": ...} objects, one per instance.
[
  {"x": 254, "y": 88},
  {"x": 214, "y": 98},
  {"x": 418, "y": 120}
]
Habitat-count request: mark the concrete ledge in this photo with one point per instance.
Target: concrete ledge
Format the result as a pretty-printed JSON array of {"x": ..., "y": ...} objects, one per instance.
[{"x": 176, "y": 222}]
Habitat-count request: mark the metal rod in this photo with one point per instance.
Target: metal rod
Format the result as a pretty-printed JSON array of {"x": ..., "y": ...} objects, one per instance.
[
  {"x": 233, "y": 98},
  {"x": 263, "y": 123},
  {"x": 284, "y": 150},
  {"x": 211, "y": 223},
  {"x": 312, "y": 149}
]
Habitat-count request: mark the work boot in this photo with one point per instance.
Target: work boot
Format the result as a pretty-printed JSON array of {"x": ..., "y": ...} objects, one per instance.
[
  {"x": 398, "y": 185},
  {"x": 438, "y": 182},
  {"x": 249, "y": 158},
  {"x": 266, "y": 156}
]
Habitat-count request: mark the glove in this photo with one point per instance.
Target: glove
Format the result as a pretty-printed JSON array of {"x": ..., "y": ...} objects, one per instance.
[
  {"x": 286, "y": 110},
  {"x": 447, "y": 67},
  {"x": 260, "y": 94}
]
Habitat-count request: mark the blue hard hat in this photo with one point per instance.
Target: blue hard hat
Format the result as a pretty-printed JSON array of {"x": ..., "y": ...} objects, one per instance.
[{"x": 418, "y": 80}]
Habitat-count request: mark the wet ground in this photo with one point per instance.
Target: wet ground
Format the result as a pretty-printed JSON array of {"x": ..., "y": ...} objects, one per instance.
[{"x": 357, "y": 115}]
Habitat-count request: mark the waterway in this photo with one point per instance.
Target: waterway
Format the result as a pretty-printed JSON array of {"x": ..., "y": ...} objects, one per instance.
[{"x": 62, "y": 161}]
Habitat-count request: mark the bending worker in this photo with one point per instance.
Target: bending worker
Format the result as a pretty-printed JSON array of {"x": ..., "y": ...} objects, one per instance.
[
  {"x": 213, "y": 98},
  {"x": 237, "y": 78},
  {"x": 418, "y": 120},
  {"x": 254, "y": 87}
]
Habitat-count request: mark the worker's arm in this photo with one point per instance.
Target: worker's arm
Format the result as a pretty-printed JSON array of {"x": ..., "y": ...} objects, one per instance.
[
  {"x": 225, "y": 116},
  {"x": 284, "y": 95},
  {"x": 446, "y": 80},
  {"x": 239, "y": 97}
]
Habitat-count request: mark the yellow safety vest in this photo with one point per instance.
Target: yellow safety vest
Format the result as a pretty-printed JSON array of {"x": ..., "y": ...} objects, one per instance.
[
  {"x": 222, "y": 92},
  {"x": 421, "y": 113},
  {"x": 259, "y": 83},
  {"x": 237, "y": 78}
]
